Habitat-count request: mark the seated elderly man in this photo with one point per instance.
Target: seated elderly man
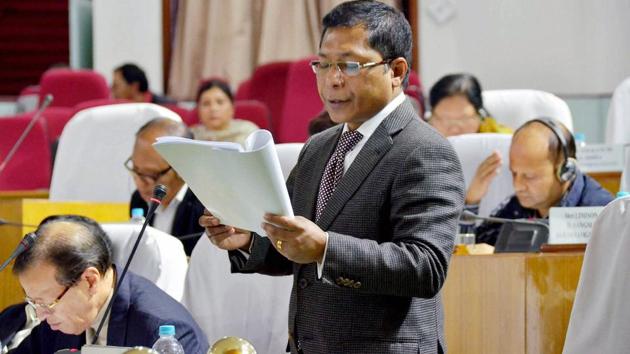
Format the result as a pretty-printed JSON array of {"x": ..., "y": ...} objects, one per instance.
[
  {"x": 180, "y": 210},
  {"x": 68, "y": 277},
  {"x": 545, "y": 174}
]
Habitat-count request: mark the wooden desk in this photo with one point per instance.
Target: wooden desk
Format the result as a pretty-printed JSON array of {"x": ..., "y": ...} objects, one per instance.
[
  {"x": 32, "y": 212},
  {"x": 611, "y": 181},
  {"x": 510, "y": 303}
]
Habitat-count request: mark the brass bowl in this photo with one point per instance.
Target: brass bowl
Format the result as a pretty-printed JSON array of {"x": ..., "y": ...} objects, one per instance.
[{"x": 232, "y": 345}]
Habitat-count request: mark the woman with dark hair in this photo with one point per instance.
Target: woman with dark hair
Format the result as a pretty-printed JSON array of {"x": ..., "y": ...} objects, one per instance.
[
  {"x": 457, "y": 108},
  {"x": 215, "y": 106}
]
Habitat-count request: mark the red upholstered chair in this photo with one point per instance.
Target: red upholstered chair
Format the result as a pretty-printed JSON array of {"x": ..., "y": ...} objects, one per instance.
[
  {"x": 55, "y": 118},
  {"x": 301, "y": 104},
  {"x": 183, "y": 113},
  {"x": 268, "y": 85},
  {"x": 251, "y": 110},
  {"x": 30, "y": 166},
  {"x": 70, "y": 87},
  {"x": 242, "y": 93}
]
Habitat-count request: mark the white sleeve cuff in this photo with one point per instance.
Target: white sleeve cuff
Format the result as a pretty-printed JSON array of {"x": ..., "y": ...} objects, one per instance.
[{"x": 320, "y": 266}]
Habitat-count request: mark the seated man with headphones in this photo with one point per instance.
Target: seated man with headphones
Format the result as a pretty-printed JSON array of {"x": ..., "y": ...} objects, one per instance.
[{"x": 545, "y": 174}]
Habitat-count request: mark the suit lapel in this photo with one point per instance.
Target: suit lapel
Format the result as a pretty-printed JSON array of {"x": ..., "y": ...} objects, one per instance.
[
  {"x": 117, "y": 329},
  {"x": 374, "y": 149}
]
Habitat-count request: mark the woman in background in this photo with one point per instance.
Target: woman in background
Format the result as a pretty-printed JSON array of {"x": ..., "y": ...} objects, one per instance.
[
  {"x": 457, "y": 108},
  {"x": 215, "y": 106}
]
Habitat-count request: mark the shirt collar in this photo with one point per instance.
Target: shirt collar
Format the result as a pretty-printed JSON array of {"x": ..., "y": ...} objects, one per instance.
[{"x": 368, "y": 127}]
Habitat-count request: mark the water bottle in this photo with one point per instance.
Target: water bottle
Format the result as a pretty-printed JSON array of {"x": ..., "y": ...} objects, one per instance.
[
  {"x": 580, "y": 140},
  {"x": 622, "y": 194},
  {"x": 137, "y": 216},
  {"x": 167, "y": 343}
]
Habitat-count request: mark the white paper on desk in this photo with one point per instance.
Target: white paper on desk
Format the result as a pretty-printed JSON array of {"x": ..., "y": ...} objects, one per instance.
[{"x": 237, "y": 185}]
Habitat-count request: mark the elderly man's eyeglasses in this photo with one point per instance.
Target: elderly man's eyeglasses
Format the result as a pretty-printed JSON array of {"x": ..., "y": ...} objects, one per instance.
[
  {"x": 348, "y": 68},
  {"x": 149, "y": 178},
  {"x": 46, "y": 307}
]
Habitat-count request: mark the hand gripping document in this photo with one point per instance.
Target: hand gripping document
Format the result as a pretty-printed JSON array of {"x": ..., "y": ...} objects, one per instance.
[{"x": 237, "y": 185}]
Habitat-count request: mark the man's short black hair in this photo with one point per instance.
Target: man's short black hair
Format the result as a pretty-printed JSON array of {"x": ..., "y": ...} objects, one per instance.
[
  {"x": 70, "y": 254},
  {"x": 132, "y": 73},
  {"x": 389, "y": 33}
]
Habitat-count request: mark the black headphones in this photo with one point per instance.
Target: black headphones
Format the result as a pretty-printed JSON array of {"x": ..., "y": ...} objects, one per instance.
[{"x": 567, "y": 170}]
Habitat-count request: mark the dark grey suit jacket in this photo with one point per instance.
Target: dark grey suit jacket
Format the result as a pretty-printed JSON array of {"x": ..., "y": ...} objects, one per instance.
[{"x": 391, "y": 223}]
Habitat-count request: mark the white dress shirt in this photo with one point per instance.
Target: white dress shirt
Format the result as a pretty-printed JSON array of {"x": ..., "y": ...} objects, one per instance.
[
  {"x": 91, "y": 331},
  {"x": 164, "y": 217}
]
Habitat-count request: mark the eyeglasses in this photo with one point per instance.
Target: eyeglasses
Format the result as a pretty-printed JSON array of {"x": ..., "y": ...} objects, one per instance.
[
  {"x": 148, "y": 178},
  {"x": 348, "y": 68},
  {"x": 46, "y": 307}
]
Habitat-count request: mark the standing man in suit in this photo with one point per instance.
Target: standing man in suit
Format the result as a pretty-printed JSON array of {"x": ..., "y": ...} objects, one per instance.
[
  {"x": 180, "y": 210},
  {"x": 376, "y": 200},
  {"x": 69, "y": 279}
]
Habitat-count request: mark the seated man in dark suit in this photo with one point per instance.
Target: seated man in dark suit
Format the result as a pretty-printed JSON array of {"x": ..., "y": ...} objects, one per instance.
[
  {"x": 180, "y": 210},
  {"x": 545, "y": 175},
  {"x": 68, "y": 277},
  {"x": 16, "y": 323}
]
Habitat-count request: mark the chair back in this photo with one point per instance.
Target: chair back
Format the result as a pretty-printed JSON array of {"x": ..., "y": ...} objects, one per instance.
[
  {"x": 600, "y": 318},
  {"x": 619, "y": 115},
  {"x": 70, "y": 87},
  {"x": 302, "y": 103},
  {"x": 515, "y": 107},
  {"x": 30, "y": 166},
  {"x": 472, "y": 149},
  {"x": 160, "y": 257},
  {"x": 251, "y": 306},
  {"x": 92, "y": 149},
  {"x": 288, "y": 154},
  {"x": 268, "y": 85}
]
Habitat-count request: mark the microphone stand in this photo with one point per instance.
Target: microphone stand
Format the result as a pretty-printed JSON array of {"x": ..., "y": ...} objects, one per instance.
[
  {"x": 47, "y": 100},
  {"x": 158, "y": 194}
]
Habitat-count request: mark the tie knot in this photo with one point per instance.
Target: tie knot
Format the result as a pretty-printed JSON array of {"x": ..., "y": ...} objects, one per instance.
[{"x": 348, "y": 141}]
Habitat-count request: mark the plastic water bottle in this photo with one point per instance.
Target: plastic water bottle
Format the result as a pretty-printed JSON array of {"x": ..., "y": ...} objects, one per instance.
[
  {"x": 137, "y": 216},
  {"x": 622, "y": 194},
  {"x": 167, "y": 343},
  {"x": 580, "y": 140}
]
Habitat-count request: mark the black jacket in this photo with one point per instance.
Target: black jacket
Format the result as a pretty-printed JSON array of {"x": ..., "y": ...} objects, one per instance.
[{"x": 186, "y": 222}]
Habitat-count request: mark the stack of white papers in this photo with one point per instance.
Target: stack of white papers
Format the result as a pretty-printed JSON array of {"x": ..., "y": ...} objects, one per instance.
[{"x": 238, "y": 185}]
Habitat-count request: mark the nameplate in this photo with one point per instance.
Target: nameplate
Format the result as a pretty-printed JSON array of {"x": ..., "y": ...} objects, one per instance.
[
  {"x": 572, "y": 225},
  {"x": 600, "y": 158}
]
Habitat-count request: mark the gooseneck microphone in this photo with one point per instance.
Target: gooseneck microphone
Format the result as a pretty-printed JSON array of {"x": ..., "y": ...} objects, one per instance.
[
  {"x": 24, "y": 245},
  {"x": 467, "y": 215},
  {"x": 47, "y": 100},
  {"x": 16, "y": 224},
  {"x": 158, "y": 194}
]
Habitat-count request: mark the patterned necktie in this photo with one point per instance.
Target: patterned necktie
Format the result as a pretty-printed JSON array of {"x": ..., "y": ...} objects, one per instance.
[{"x": 334, "y": 169}]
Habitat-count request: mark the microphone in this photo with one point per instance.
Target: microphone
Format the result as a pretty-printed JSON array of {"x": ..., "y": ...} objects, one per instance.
[
  {"x": 47, "y": 100},
  {"x": 468, "y": 215},
  {"x": 16, "y": 224},
  {"x": 159, "y": 192},
  {"x": 24, "y": 245}
]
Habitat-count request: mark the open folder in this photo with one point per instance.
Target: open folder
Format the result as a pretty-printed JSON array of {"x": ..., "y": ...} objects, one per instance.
[{"x": 238, "y": 185}]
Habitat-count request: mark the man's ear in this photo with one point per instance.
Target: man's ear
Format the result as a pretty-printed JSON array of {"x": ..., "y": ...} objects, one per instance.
[
  {"x": 93, "y": 277},
  {"x": 399, "y": 68},
  {"x": 135, "y": 86}
]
